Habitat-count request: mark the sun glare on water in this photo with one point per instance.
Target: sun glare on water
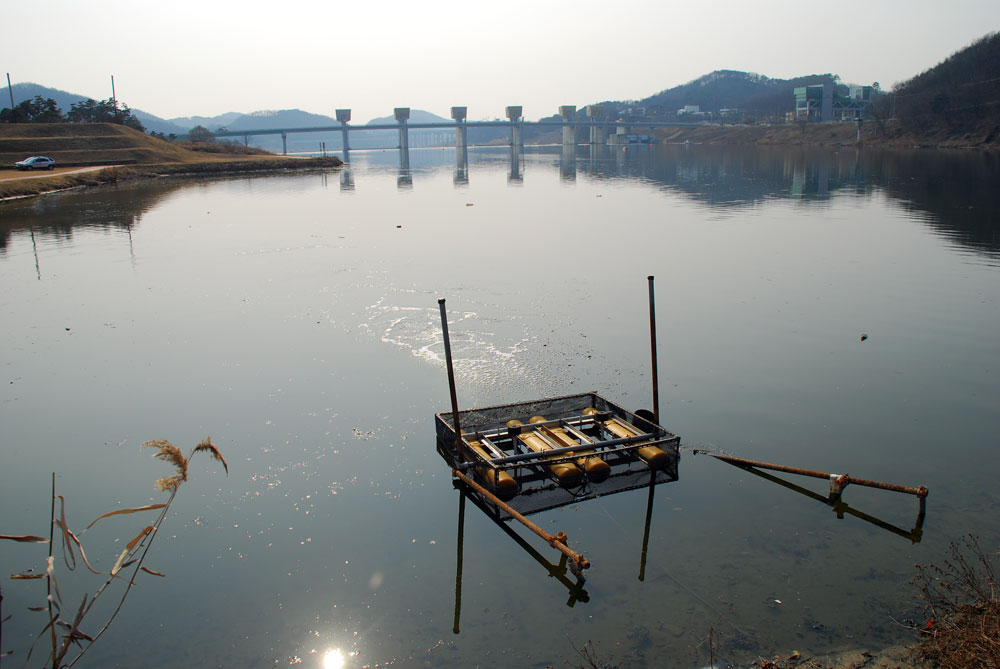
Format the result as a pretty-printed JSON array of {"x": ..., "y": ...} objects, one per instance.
[{"x": 333, "y": 659}]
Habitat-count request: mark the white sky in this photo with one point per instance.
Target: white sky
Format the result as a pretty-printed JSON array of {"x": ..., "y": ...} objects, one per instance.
[{"x": 184, "y": 58}]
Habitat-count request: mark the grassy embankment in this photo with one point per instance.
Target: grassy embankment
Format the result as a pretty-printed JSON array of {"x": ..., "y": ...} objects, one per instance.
[{"x": 135, "y": 155}]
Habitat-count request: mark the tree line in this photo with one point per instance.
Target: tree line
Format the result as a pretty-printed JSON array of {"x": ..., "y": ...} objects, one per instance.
[
  {"x": 961, "y": 94},
  {"x": 39, "y": 110}
]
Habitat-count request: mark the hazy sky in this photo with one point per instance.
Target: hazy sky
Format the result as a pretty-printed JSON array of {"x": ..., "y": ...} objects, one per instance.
[{"x": 184, "y": 58}]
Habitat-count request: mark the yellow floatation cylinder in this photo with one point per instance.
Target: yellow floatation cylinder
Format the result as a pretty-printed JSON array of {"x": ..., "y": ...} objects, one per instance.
[
  {"x": 499, "y": 481},
  {"x": 566, "y": 473},
  {"x": 653, "y": 456},
  {"x": 597, "y": 470}
]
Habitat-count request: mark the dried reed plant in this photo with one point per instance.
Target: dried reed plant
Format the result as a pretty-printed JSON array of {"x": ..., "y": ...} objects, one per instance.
[
  {"x": 64, "y": 629},
  {"x": 961, "y": 604}
]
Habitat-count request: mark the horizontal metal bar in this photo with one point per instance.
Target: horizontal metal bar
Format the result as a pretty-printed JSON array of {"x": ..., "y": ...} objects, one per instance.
[
  {"x": 500, "y": 432},
  {"x": 843, "y": 480},
  {"x": 650, "y": 437},
  {"x": 493, "y": 448},
  {"x": 557, "y": 542}
]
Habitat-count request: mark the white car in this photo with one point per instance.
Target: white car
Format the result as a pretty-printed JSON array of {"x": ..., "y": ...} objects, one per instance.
[{"x": 35, "y": 163}]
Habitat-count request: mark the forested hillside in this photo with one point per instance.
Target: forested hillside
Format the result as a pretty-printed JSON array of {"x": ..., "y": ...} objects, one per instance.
[{"x": 958, "y": 97}]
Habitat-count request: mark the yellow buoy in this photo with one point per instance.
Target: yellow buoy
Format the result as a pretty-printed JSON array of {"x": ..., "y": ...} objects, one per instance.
[
  {"x": 597, "y": 470},
  {"x": 499, "y": 481},
  {"x": 653, "y": 456},
  {"x": 566, "y": 473}
]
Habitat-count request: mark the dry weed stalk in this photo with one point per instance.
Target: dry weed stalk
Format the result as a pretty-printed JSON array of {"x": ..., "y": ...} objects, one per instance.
[
  {"x": 65, "y": 635},
  {"x": 961, "y": 603},
  {"x": 592, "y": 658}
]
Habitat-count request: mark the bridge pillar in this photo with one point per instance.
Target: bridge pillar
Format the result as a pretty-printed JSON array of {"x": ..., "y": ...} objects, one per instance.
[
  {"x": 514, "y": 114},
  {"x": 596, "y": 115},
  {"x": 344, "y": 115},
  {"x": 568, "y": 113},
  {"x": 284, "y": 143},
  {"x": 461, "y": 136},
  {"x": 402, "y": 115}
]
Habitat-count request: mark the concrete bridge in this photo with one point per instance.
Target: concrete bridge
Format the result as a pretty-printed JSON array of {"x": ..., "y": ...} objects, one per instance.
[{"x": 602, "y": 130}]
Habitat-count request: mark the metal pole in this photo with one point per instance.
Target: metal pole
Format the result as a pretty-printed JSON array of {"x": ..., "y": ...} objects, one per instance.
[
  {"x": 558, "y": 542},
  {"x": 114, "y": 100},
  {"x": 451, "y": 382},
  {"x": 645, "y": 532},
  {"x": 13, "y": 114},
  {"x": 458, "y": 569},
  {"x": 841, "y": 480},
  {"x": 652, "y": 346}
]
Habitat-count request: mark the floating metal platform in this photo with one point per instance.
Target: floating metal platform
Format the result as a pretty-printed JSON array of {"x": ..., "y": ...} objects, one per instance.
[{"x": 548, "y": 453}]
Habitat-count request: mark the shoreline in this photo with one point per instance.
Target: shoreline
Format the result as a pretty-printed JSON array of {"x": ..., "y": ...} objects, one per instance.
[{"x": 16, "y": 189}]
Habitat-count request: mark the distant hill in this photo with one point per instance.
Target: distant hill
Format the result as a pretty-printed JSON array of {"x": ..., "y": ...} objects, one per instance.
[
  {"x": 213, "y": 123},
  {"x": 731, "y": 89},
  {"x": 416, "y": 116},
  {"x": 285, "y": 118},
  {"x": 959, "y": 97},
  {"x": 65, "y": 102}
]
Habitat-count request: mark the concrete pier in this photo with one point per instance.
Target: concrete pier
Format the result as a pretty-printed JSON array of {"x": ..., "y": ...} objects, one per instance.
[
  {"x": 514, "y": 175},
  {"x": 567, "y": 163},
  {"x": 344, "y": 116},
  {"x": 402, "y": 116},
  {"x": 514, "y": 114},
  {"x": 461, "y": 177},
  {"x": 568, "y": 113},
  {"x": 596, "y": 115},
  {"x": 461, "y": 136}
]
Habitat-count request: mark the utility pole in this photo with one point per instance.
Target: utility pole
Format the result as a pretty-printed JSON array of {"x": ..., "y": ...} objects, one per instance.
[
  {"x": 114, "y": 100},
  {"x": 13, "y": 115}
]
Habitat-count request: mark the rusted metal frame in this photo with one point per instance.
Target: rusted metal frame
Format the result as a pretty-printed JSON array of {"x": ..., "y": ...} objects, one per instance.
[
  {"x": 556, "y": 571},
  {"x": 551, "y": 456},
  {"x": 579, "y": 419},
  {"x": 509, "y": 432},
  {"x": 837, "y": 481},
  {"x": 459, "y": 442},
  {"x": 491, "y": 447},
  {"x": 841, "y": 507},
  {"x": 579, "y": 436},
  {"x": 558, "y": 542}
]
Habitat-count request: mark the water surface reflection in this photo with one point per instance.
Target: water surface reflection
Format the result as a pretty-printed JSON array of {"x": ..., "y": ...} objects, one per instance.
[{"x": 293, "y": 318}]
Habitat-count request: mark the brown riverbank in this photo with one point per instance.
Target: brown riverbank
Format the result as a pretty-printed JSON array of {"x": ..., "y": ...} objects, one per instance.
[{"x": 130, "y": 154}]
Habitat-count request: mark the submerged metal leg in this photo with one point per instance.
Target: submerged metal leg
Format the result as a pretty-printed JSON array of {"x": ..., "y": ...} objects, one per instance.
[{"x": 458, "y": 568}]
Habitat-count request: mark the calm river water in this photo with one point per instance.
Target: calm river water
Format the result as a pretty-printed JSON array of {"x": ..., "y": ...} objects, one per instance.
[{"x": 294, "y": 319}]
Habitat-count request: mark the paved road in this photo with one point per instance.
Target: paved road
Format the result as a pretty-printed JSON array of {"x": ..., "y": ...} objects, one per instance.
[{"x": 12, "y": 175}]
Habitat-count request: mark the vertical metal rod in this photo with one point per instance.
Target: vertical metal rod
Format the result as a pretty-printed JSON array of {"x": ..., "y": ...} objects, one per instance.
[
  {"x": 645, "y": 532},
  {"x": 13, "y": 116},
  {"x": 451, "y": 382},
  {"x": 114, "y": 98},
  {"x": 652, "y": 346},
  {"x": 458, "y": 569}
]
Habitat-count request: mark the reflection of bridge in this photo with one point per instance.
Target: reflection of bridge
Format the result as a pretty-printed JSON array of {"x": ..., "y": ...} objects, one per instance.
[{"x": 598, "y": 124}]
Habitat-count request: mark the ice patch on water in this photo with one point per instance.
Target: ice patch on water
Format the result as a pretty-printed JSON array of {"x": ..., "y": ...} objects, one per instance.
[{"x": 485, "y": 351}]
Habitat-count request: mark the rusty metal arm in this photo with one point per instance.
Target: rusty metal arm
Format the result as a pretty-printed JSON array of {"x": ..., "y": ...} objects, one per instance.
[
  {"x": 837, "y": 481},
  {"x": 558, "y": 541}
]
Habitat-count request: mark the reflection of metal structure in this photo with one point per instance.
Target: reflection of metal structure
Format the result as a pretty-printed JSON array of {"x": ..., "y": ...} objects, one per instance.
[
  {"x": 557, "y": 570},
  {"x": 527, "y": 457},
  {"x": 837, "y": 484}
]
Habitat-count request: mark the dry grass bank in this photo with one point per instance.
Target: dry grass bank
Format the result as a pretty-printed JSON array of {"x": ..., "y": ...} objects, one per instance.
[{"x": 139, "y": 156}]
